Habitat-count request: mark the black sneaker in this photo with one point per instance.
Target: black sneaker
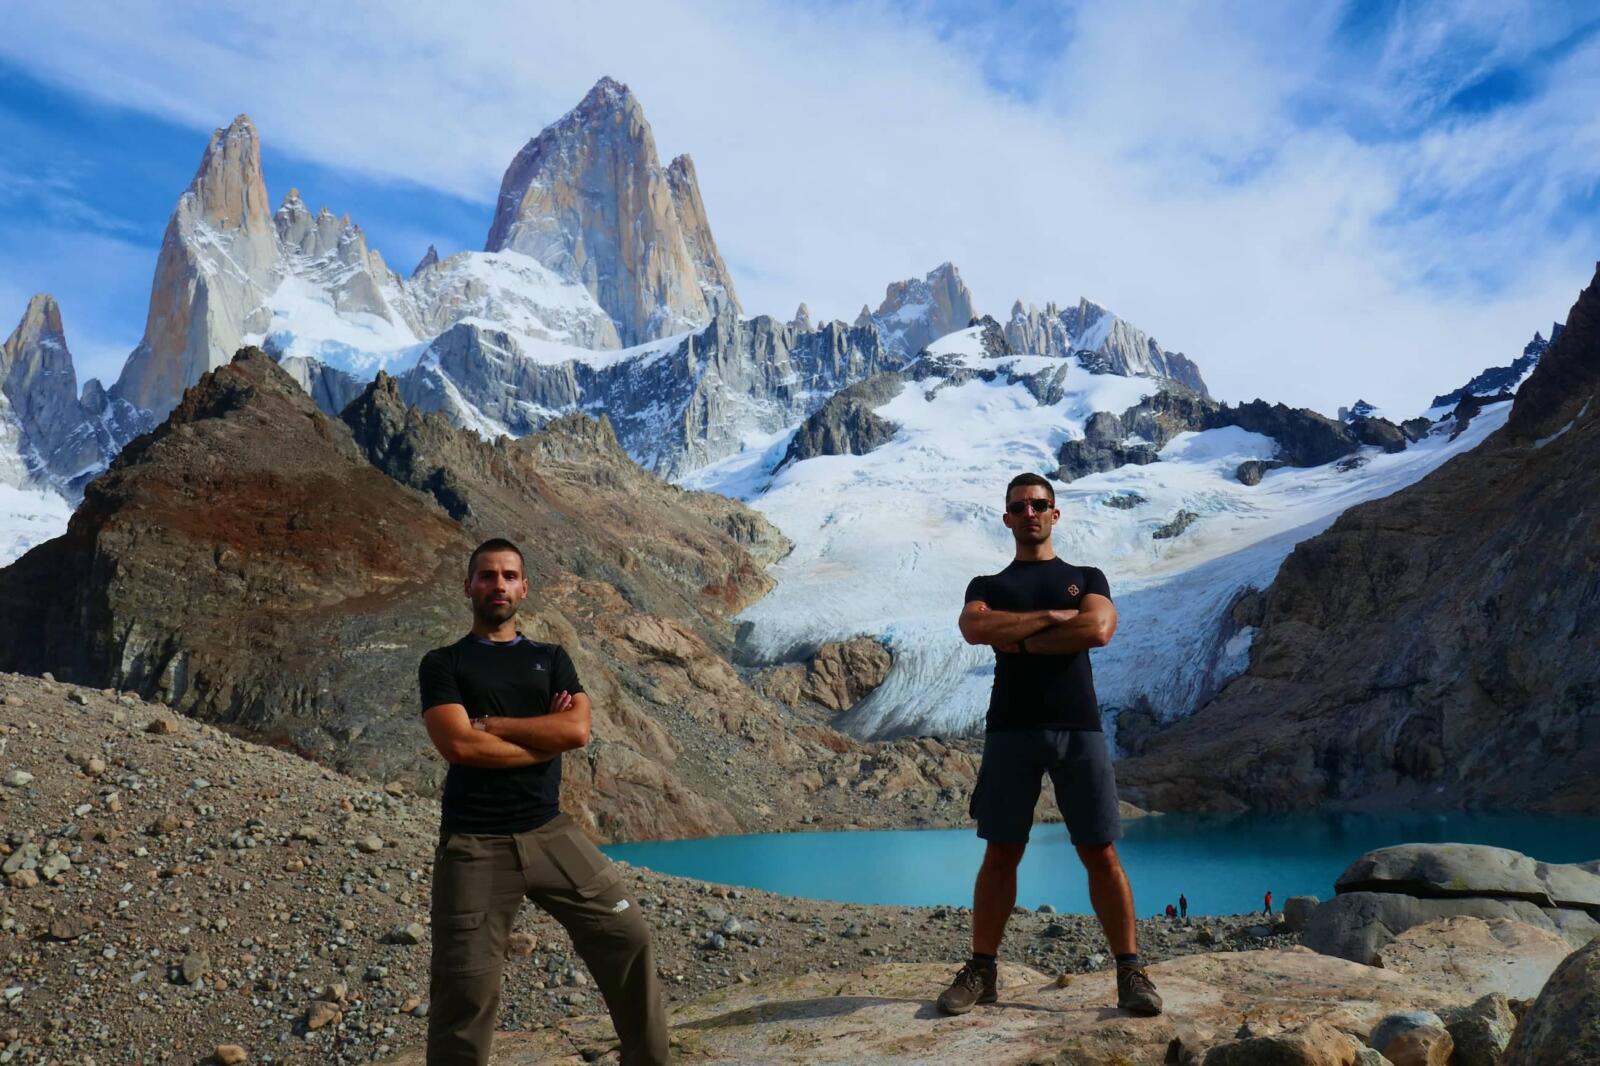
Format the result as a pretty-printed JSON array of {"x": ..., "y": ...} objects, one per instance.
[
  {"x": 974, "y": 984},
  {"x": 1135, "y": 992}
]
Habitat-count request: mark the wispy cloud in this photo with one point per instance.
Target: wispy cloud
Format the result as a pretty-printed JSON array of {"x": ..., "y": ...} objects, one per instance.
[{"x": 1310, "y": 199}]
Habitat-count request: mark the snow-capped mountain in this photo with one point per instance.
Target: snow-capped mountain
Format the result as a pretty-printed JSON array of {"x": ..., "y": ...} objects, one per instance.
[
  {"x": 879, "y": 447},
  {"x": 885, "y": 542},
  {"x": 1111, "y": 344},
  {"x": 52, "y": 440}
]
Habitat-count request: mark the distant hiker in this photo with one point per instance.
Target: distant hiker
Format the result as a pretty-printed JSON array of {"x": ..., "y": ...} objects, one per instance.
[
  {"x": 501, "y": 709},
  {"x": 1183, "y": 905},
  {"x": 1266, "y": 904},
  {"x": 1172, "y": 912},
  {"x": 1042, "y": 615}
]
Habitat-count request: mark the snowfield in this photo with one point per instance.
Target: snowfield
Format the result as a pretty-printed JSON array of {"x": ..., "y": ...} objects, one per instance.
[
  {"x": 885, "y": 543},
  {"x": 29, "y": 517}
]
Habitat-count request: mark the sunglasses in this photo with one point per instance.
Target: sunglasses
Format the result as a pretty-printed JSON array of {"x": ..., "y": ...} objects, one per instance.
[{"x": 1039, "y": 506}]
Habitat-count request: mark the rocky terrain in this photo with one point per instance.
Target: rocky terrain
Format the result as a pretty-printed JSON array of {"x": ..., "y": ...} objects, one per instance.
[
  {"x": 1439, "y": 646},
  {"x": 168, "y": 887}
]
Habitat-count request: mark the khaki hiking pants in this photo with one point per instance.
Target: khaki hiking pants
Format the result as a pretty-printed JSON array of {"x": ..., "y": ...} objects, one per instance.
[{"x": 479, "y": 883}]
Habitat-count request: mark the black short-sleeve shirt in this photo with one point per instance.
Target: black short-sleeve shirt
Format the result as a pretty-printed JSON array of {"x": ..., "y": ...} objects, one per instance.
[
  {"x": 1041, "y": 691},
  {"x": 510, "y": 679}
]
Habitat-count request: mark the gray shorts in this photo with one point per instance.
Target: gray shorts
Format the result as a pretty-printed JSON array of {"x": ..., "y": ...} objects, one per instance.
[{"x": 1012, "y": 772}]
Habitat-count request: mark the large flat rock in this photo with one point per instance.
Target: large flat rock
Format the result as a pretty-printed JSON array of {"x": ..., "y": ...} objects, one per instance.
[
  {"x": 885, "y": 1014},
  {"x": 1473, "y": 956}
]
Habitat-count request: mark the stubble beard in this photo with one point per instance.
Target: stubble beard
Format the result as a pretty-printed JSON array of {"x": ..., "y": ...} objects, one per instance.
[{"x": 493, "y": 614}]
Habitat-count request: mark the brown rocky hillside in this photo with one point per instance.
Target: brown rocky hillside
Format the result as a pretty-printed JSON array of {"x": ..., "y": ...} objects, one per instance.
[{"x": 1438, "y": 646}]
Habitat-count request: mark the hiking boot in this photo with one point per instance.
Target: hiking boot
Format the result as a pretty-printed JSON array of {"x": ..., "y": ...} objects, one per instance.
[
  {"x": 1135, "y": 992},
  {"x": 973, "y": 985}
]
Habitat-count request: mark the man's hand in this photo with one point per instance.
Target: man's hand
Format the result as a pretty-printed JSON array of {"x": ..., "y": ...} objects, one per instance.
[
  {"x": 501, "y": 727},
  {"x": 465, "y": 741}
]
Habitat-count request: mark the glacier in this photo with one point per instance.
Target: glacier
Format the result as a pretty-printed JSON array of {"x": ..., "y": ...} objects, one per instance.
[{"x": 885, "y": 543}]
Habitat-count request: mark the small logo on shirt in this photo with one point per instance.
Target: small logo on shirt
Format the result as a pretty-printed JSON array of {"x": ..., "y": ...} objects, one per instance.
[
  {"x": 621, "y": 906},
  {"x": 1072, "y": 590}
]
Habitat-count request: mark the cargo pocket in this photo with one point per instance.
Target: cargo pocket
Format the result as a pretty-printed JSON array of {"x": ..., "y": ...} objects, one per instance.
[
  {"x": 461, "y": 944},
  {"x": 580, "y": 862}
]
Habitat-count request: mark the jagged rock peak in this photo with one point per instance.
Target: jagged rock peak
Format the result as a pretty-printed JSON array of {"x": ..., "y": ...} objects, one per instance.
[
  {"x": 716, "y": 284},
  {"x": 228, "y": 188},
  {"x": 42, "y": 316},
  {"x": 917, "y": 311},
  {"x": 429, "y": 258},
  {"x": 802, "y": 318},
  {"x": 1566, "y": 378},
  {"x": 589, "y": 199},
  {"x": 865, "y": 317}
]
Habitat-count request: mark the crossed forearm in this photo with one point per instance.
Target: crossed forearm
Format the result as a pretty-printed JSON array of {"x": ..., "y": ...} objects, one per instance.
[
  {"x": 546, "y": 733},
  {"x": 481, "y": 748},
  {"x": 1080, "y": 633},
  {"x": 1005, "y": 628}
]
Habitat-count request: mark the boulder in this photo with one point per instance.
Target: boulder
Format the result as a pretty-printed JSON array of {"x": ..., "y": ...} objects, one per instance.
[
  {"x": 1356, "y": 925},
  {"x": 1452, "y": 870},
  {"x": 1477, "y": 957},
  {"x": 1563, "y": 1027},
  {"x": 1481, "y": 1031},
  {"x": 1297, "y": 911},
  {"x": 1317, "y": 1044},
  {"x": 1250, "y": 471}
]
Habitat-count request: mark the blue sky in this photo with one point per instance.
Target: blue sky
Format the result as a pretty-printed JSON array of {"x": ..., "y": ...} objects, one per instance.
[{"x": 1311, "y": 200}]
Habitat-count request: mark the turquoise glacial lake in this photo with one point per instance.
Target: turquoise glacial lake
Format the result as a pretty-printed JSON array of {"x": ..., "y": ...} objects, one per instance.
[{"x": 1223, "y": 863}]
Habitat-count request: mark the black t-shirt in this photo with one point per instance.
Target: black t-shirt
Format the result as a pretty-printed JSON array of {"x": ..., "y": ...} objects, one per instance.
[
  {"x": 514, "y": 679},
  {"x": 1041, "y": 691}
]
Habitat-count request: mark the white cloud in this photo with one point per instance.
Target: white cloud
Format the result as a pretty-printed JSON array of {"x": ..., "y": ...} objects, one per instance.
[{"x": 1155, "y": 166}]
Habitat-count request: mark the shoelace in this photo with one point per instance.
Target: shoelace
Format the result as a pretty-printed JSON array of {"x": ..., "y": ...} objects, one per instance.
[
  {"x": 971, "y": 977},
  {"x": 1138, "y": 982}
]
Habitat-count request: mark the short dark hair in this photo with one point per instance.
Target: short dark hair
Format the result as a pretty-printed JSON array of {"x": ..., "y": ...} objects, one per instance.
[
  {"x": 1030, "y": 478},
  {"x": 495, "y": 544}
]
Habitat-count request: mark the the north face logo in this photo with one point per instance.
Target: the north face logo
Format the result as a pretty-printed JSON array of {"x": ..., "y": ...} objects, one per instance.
[{"x": 1072, "y": 590}]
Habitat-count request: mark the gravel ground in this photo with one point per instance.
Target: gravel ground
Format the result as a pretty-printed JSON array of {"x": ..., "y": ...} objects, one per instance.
[{"x": 168, "y": 888}]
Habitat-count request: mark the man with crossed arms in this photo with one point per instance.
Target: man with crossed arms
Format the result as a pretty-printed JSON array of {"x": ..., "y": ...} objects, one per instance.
[
  {"x": 501, "y": 709},
  {"x": 1042, "y": 615}
]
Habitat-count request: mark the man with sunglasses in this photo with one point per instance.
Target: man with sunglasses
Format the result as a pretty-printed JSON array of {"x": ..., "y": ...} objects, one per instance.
[{"x": 1042, "y": 615}]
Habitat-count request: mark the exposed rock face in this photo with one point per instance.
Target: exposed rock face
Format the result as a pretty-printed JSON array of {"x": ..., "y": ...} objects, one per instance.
[
  {"x": 589, "y": 199},
  {"x": 1251, "y": 470},
  {"x": 430, "y": 257},
  {"x": 1103, "y": 447},
  {"x": 1103, "y": 342},
  {"x": 683, "y": 408},
  {"x": 1563, "y": 1028},
  {"x": 59, "y": 440},
  {"x": 1305, "y": 438},
  {"x": 836, "y": 678},
  {"x": 1497, "y": 379},
  {"x": 216, "y": 267},
  {"x": 1447, "y": 673},
  {"x": 918, "y": 311},
  {"x": 801, "y": 322},
  {"x": 846, "y": 423},
  {"x": 716, "y": 284}
]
